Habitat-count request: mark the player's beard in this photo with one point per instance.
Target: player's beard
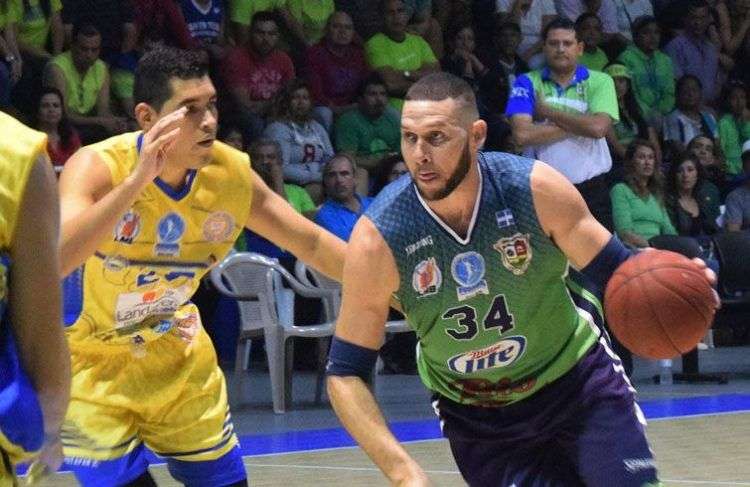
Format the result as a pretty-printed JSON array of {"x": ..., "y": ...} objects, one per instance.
[{"x": 462, "y": 169}]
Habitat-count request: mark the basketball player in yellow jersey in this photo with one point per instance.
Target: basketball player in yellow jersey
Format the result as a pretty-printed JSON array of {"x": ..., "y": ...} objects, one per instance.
[
  {"x": 146, "y": 215},
  {"x": 34, "y": 361}
]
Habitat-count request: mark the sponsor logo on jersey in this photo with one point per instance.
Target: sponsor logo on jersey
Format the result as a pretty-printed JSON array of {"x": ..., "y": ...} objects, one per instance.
[
  {"x": 115, "y": 263},
  {"x": 427, "y": 278},
  {"x": 133, "y": 308},
  {"x": 500, "y": 354},
  {"x": 515, "y": 252},
  {"x": 169, "y": 232},
  {"x": 218, "y": 226},
  {"x": 504, "y": 218},
  {"x": 146, "y": 278},
  {"x": 468, "y": 271},
  {"x": 421, "y": 243},
  {"x": 128, "y": 227}
]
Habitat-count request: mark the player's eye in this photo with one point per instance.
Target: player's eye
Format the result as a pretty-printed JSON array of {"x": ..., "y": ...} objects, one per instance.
[
  {"x": 436, "y": 138},
  {"x": 410, "y": 137}
]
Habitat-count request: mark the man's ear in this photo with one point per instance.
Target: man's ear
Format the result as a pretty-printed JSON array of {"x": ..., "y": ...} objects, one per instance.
[
  {"x": 145, "y": 115},
  {"x": 479, "y": 133}
]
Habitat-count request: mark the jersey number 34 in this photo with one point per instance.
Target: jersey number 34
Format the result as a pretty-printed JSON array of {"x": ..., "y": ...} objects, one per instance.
[{"x": 466, "y": 319}]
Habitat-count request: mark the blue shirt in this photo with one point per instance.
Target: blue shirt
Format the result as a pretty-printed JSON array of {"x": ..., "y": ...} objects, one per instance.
[
  {"x": 203, "y": 24},
  {"x": 338, "y": 219}
]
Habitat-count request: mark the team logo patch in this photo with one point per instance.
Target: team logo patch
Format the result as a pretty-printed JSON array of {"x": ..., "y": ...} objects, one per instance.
[
  {"x": 504, "y": 218},
  {"x": 169, "y": 231},
  {"x": 427, "y": 278},
  {"x": 146, "y": 278},
  {"x": 128, "y": 227},
  {"x": 468, "y": 271},
  {"x": 218, "y": 226},
  {"x": 500, "y": 354},
  {"x": 515, "y": 252},
  {"x": 115, "y": 263}
]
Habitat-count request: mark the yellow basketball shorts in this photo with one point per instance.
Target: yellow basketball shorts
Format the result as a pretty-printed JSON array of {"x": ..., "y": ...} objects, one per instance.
[{"x": 173, "y": 399}]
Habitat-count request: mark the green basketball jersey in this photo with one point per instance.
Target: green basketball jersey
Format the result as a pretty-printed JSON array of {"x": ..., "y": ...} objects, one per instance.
[{"x": 495, "y": 318}]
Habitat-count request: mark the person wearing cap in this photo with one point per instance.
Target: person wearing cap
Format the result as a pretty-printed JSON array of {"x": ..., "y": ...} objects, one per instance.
[
  {"x": 651, "y": 70},
  {"x": 632, "y": 125},
  {"x": 737, "y": 216}
]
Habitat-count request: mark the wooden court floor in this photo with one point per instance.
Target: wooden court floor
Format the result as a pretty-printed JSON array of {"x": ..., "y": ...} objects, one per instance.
[{"x": 709, "y": 451}]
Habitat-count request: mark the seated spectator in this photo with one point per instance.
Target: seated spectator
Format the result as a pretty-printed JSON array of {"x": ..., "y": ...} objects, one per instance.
[
  {"x": 205, "y": 22},
  {"x": 589, "y": 30},
  {"x": 400, "y": 58},
  {"x": 604, "y": 9},
  {"x": 708, "y": 153},
  {"x": 631, "y": 125},
  {"x": 254, "y": 74},
  {"x": 241, "y": 13},
  {"x": 366, "y": 15},
  {"x": 691, "y": 202},
  {"x": 232, "y": 135},
  {"x": 162, "y": 21},
  {"x": 422, "y": 23},
  {"x": 532, "y": 16},
  {"x": 83, "y": 79},
  {"x": 734, "y": 26},
  {"x": 737, "y": 215},
  {"x": 370, "y": 132},
  {"x": 113, "y": 19},
  {"x": 638, "y": 207},
  {"x": 335, "y": 68},
  {"x": 392, "y": 168},
  {"x": 305, "y": 144},
  {"x": 628, "y": 11},
  {"x": 343, "y": 206},
  {"x": 692, "y": 51},
  {"x": 651, "y": 69},
  {"x": 307, "y": 20},
  {"x": 11, "y": 63},
  {"x": 462, "y": 60},
  {"x": 62, "y": 138},
  {"x": 690, "y": 118},
  {"x": 734, "y": 126}
]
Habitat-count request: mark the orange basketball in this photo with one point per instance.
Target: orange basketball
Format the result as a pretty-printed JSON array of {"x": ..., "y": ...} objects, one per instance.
[{"x": 659, "y": 304}]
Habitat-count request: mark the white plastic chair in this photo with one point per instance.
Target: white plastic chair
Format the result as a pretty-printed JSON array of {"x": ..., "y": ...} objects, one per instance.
[{"x": 253, "y": 280}]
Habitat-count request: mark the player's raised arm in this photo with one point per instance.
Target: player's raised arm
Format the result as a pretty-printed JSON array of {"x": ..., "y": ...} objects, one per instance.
[
  {"x": 273, "y": 218},
  {"x": 370, "y": 277},
  {"x": 90, "y": 206},
  {"x": 36, "y": 322}
]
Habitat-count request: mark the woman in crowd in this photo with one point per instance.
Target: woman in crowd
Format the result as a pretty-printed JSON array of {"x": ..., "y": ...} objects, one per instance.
[
  {"x": 709, "y": 155},
  {"x": 734, "y": 126},
  {"x": 50, "y": 118},
  {"x": 692, "y": 208},
  {"x": 305, "y": 145},
  {"x": 690, "y": 118},
  {"x": 638, "y": 207},
  {"x": 631, "y": 125}
]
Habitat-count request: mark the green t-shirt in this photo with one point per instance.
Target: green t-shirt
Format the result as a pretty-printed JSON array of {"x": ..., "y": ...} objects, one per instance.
[
  {"x": 81, "y": 93},
  {"x": 645, "y": 217},
  {"x": 312, "y": 15},
  {"x": 299, "y": 198},
  {"x": 653, "y": 80},
  {"x": 732, "y": 134},
  {"x": 357, "y": 133},
  {"x": 409, "y": 55},
  {"x": 596, "y": 60},
  {"x": 33, "y": 28},
  {"x": 242, "y": 11}
]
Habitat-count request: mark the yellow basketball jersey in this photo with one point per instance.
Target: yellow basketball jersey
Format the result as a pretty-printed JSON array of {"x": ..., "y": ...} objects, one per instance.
[{"x": 151, "y": 264}]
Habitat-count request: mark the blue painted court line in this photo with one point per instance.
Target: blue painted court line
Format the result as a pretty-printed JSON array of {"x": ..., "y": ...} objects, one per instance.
[{"x": 330, "y": 438}]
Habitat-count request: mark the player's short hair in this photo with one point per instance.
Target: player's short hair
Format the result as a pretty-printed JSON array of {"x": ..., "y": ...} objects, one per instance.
[
  {"x": 559, "y": 23},
  {"x": 340, "y": 155},
  {"x": 161, "y": 64},
  {"x": 442, "y": 86}
]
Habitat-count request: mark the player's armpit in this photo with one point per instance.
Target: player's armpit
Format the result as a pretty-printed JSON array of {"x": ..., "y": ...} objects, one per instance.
[
  {"x": 274, "y": 218},
  {"x": 564, "y": 216}
]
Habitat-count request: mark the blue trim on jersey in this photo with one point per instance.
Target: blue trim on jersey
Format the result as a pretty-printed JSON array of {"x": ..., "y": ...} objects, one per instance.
[
  {"x": 73, "y": 296},
  {"x": 227, "y": 436},
  {"x": 225, "y": 470},
  {"x": 167, "y": 189},
  {"x": 110, "y": 473}
]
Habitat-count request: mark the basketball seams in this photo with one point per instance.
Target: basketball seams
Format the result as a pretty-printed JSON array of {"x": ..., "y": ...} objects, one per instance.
[{"x": 648, "y": 299}]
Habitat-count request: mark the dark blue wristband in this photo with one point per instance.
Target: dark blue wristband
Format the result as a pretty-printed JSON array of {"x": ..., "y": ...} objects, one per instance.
[
  {"x": 601, "y": 268},
  {"x": 347, "y": 359}
]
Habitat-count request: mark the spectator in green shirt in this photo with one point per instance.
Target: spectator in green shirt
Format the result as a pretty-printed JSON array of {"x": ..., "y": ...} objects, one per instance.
[
  {"x": 638, "y": 207},
  {"x": 651, "y": 69},
  {"x": 589, "y": 31},
  {"x": 371, "y": 131},
  {"x": 734, "y": 126}
]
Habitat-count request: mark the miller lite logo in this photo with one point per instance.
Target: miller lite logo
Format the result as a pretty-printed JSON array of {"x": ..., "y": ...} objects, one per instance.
[
  {"x": 500, "y": 354},
  {"x": 426, "y": 279},
  {"x": 515, "y": 252}
]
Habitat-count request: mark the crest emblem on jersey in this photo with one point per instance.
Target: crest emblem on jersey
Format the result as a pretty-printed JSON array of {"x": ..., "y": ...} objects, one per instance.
[
  {"x": 169, "y": 232},
  {"x": 128, "y": 227},
  {"x": 427, "y": 278},
  {"x": 468, "y": 271},
  {"x": 515, "y": 252},
  {"x": 218, "y": 226},
  {"x": 500, "y": 354}
]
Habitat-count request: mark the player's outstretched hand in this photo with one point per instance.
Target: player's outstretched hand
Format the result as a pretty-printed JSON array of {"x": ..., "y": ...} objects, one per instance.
[
  {"x": 156, "y": 144},
  {"x": 710, "y": 275}
]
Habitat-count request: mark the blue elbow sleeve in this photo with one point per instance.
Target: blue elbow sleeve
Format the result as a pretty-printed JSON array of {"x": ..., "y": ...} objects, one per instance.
[{"x": 348, "y": 359}]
